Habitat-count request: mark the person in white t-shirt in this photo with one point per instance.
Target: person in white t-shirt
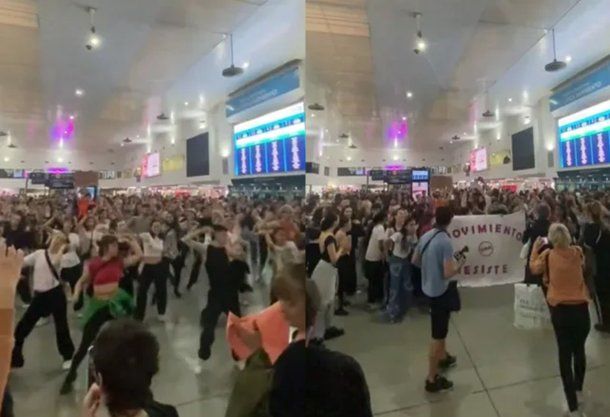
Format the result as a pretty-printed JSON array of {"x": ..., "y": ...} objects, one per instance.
[
  {"x": 374, "y": 261},
  {"x": 49, "y": 299}
]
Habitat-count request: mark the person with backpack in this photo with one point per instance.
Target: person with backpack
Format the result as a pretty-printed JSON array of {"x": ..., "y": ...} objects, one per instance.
[
  {"x": 49, "y": 299},
  {"x": 568, "y": 299},
  {"x": 124, "y": 359},
  {"x": 596, "y": 239}
]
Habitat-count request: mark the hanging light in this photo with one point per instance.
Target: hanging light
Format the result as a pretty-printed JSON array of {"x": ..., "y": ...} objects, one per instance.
[
  {"x": 554, "y": 65},
  {"x": 93, "y": 40},
  {"x": 420, "y": 43}
]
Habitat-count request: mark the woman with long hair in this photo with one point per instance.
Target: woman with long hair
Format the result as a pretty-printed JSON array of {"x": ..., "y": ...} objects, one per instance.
[
  {"x": 109, "y": 300},
  {"x": 568, "y": 298},
  {"x": 153, "y": 270},
  {"x": 325, "y": 277},
  {"x": 596, "y": 236}
]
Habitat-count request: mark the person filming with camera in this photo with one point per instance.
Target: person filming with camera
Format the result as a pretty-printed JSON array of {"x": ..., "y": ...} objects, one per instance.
[{"x": 434, "y": 255}]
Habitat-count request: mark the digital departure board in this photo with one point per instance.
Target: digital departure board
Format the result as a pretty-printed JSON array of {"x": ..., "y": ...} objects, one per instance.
[
  {"x": 584, "y": 137},
  {"x": 272, "y": 143}
]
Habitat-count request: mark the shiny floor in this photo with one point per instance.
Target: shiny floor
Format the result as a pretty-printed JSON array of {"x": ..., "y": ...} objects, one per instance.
[{"x": 501, "y": 371}]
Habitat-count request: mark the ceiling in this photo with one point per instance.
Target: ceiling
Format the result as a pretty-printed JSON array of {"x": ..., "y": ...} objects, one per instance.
[
  {"x": 480, "y": 53},
  {"x": 154, "y": 54}
]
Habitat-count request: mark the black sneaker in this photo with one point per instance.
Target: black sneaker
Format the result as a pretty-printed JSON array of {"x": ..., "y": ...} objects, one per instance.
[
  {"x": 341, "y": 312},
  {"x": 204, "y": 353},
  {"x": 333, "y": 333},
  {"x": 440, "y": 384},
  {"x": 448, "y": 362}
]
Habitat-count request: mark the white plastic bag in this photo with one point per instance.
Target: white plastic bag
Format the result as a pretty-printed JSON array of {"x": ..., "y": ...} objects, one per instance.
[
  {"x": 525, "y": 249},
  {"x": 531, "y": 309}
]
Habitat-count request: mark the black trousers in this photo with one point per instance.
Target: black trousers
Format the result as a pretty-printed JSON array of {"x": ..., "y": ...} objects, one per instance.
[
  {"x": 7, "y": 405},
  {"x": 374, "y": 271},
  {"x": 195, "y": 271},
  {"x": 72, "y": 275},
  {"x": 44, "y": 304},
  {"x": 23, "y": 289},
  {"x": 152, "y": 273},
  {"x": 602, "y": 289},
  {"x": 219, "y": 301},
  {"x": 572, "y": 324},
  {"x": 90, "y": 331}
]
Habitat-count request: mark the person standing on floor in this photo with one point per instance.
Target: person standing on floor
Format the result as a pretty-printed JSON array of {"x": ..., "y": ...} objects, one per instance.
[
  {"x": 325, "y": 277},
  {"x": 154, "y": 270},
  {"x": 346, "y": 267},
  {"x": 596, "y": 236},
  {"x": 400, "y": 245},
  {"x": 374, "y": 262},
  {"x": 434, "y": 254},
  {"x": 109, "y": 300},
  {"x": 49, "y": 299},
  {"x": 568, "y": 298}
]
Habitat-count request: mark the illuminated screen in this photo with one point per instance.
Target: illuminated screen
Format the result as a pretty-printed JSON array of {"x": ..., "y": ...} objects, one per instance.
[
  {"x": 584, "y": 137},
  {"x": 151, "y": 165},
  {"x": 478, "y": 160},
  {"x": 272, "y": 143},
  {"x": 420, "y": 175}
]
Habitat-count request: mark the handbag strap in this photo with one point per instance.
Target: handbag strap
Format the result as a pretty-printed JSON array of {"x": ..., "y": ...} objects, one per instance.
[
  {"x": 51, "y": 266},
  {"x": 430, "y": 241}
]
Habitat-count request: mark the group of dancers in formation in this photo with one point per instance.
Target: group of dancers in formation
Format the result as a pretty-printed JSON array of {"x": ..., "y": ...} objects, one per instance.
[{"x": 101, "y": 258}]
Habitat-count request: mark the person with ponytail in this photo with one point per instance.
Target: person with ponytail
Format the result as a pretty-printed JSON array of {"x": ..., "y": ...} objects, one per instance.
[{"x": 152, "y": 270}]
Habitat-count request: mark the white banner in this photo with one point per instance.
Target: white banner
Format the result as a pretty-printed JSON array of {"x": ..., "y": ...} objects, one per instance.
[{"x": 494, "y": 244}]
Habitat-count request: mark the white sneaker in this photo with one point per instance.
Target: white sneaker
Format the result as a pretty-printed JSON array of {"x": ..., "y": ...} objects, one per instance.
[
  {"x": 198, "y": 369},
  {"x": 43, "y": 322},
  {"x": 66, "y": 365},
  {"x": 240, "y": 365}
]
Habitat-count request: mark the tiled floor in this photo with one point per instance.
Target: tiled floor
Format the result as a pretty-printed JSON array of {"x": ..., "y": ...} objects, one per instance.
[{"x": 502, "y": 371}]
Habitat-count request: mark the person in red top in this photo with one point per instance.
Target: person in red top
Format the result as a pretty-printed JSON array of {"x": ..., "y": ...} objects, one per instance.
[
  {"x": 109, "y": 301},
  {"x": 84, "y": 203}
]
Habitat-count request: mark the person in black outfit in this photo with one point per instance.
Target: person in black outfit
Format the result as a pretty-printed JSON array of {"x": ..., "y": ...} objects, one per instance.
[
  {"x": 223, "y": 295},
  {"x": 16, "y": 235},
  {"x": 596, "y": 236},
  {"x": 124, "y": 359},
  {"x": 539, "y": 228}
]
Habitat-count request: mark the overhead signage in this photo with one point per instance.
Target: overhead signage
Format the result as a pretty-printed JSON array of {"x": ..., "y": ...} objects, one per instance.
[
  {"x": 274, "y": 86},
  {"x": 377, "y": 174},
  {"x": 60, "y": 181},
  {"x": 401, "y": 176},
  {"x": 272, "y": 143},
  {"x": 584, "y": 137},
  {"x": 351, "y": 171},
  {"x": 582, "y": 86}
]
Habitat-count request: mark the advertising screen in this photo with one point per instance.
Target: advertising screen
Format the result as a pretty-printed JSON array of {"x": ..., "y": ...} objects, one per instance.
[
  {"x": 478, "y": 160},
  {"x": 151, "y": 165},
  {"x": 584, "y": 137},
  {"x": 272, "y": 143}
]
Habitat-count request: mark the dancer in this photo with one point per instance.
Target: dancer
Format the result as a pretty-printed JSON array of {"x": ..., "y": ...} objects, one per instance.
[
  {"x": 346, "y": 267},
  {"x": 325, "y": 277},
  {"x": 49, "y": 299},
  {"x": 154, "y": 269},
  {"x": 109, "y": 301}
]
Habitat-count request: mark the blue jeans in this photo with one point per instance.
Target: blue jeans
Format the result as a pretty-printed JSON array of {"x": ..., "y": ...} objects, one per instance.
[{"x": 401, "y": 287}]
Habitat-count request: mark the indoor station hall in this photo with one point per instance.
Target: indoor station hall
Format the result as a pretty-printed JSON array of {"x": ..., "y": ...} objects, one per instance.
[
  {"x": 457, "y": 179},
  {"x": 152, "y": 161}
]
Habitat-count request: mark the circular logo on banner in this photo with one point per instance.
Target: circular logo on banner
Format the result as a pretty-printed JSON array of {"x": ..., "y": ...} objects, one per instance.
[{"x": 486, "y": 248}]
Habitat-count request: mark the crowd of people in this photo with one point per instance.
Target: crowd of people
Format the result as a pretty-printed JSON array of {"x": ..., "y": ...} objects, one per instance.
[
  {"x": 399, "y": 245},
  {"x": 101, "y": 257},
  {"x": 311, "y": 257}
]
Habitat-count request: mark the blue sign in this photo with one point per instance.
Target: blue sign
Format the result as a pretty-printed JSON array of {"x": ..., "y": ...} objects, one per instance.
[
  {"x": 270, "y": 88},
  {"x": 582, "y": 86}
]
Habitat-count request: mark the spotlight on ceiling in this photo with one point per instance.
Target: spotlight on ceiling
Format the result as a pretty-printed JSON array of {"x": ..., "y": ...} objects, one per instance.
[
  {"x": 488, "y": 113},
  {"x": 352, "y": 146},
  {"x": 232, "y": 71},
  {"x": 93, "y": 40},
  {"x": 554, "y": 65},
  {"x": 12, "y": 145},
  {"x": 420, "y": 43},
  {"x": 163, "y": 117},
  {"x": 455, "y": 137},
  {"x": 344, "y": 136},
  {"x": 316, "y": 107},
  {"x": 127, "y": 140},
  {"x": 409, "y": 94},
  {"x": 79, "y": 92}
]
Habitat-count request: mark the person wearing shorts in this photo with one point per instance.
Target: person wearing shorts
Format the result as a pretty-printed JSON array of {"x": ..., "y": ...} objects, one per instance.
[{"x": 434, "y": 255}]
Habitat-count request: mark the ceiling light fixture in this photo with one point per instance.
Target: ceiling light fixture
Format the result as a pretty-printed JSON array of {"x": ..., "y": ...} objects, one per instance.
[
  {"x": 246, "y": 65},
  {"x": 232, "y": 71},
  {"x": 568, "y": 59},
  {"x": 6, "y": 159},
  {"x": 93, "y": 41},
  {"x": 186, "y": 103},
  {"x": 79, "y": 92},
  {"x": 420, "y": 43},
  {"x": 550, "y": 147},
  {"x": 510, "y": 100},
  {"x": 554, "y": 65},
  {"x": 409, "y": 94},
  {"x": 316, "y": 107}
]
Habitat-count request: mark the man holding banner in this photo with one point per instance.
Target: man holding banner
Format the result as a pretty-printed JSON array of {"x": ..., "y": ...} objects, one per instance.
[{"x": 434, "y": 254}]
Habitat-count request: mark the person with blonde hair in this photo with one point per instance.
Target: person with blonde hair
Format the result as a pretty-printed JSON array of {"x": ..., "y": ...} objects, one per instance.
[
  {"x": 49, "y": 299},
  {"x": 568, "y": 299}
]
